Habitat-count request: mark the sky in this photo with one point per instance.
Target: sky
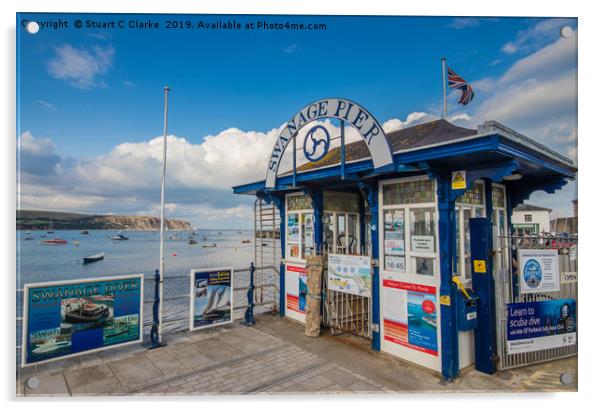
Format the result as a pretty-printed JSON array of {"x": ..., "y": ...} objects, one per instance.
[{"x": 90, "y": 100}]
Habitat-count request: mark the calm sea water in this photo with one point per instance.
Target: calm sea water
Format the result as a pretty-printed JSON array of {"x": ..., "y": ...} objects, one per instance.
[{"x": 37, "y": 262}]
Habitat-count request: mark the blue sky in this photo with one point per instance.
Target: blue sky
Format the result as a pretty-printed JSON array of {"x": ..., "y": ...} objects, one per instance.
[{"x": 90, "y": 100}]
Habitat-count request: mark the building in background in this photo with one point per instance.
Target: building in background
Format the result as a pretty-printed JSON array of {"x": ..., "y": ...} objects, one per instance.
[
  {"x": 566, "y": 224},
  {"x": 528, "y": 219}
]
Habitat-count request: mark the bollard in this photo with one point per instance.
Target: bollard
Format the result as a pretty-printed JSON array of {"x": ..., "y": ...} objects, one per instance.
[
  {"x": 154, "y": 333},
  {"x": 249, "y": 319}
]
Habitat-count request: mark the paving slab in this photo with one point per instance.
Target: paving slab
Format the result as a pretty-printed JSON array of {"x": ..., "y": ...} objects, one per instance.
[
  {"x": 135, "y": 370},
  {"x": 274, "y": 357},
  {"x": 78, "y": 377}
]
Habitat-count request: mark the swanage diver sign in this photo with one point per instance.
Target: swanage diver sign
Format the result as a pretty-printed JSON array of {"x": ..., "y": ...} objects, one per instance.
[{"x": 345, "y": 110}]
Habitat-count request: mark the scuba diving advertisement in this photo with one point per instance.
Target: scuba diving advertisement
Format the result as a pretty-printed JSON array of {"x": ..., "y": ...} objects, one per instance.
[
  {"x": 211, "y": 297},
  {"x": 533, "y": 326},
  {"x": 74, "y": 317}
]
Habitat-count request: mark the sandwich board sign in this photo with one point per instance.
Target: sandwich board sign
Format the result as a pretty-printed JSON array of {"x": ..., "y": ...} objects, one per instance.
[
  {"x": 458, "y": 180},
  {"x": 210, "y": 297},
  {"x": 73, "y": 317}
]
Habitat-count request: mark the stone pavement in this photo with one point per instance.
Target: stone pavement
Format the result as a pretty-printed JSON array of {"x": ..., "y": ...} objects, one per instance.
[{"x": 273, "y": 357}]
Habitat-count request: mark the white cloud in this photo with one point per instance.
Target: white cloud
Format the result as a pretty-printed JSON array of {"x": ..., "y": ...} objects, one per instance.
[
  {"x": 35, "y": 146},
  {"x": 534, "y": 36},
  {"x": 292, "y": 49},
  {"x": 47, "y": 105},
  {"x": 413, "y": 118},
  {"x": 463, "y": 22},
  {"x": 81, "y": 67}
]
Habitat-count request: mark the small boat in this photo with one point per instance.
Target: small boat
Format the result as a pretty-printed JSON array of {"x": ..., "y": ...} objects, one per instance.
[
  {"x": 55, "y": 241},
  {"x": 76, "y": 243},
  {"x": 50, "y": 346},
  {"x": 213, "y": 245},
  {"x": 430, "y": 320},
  {"x": 27, "y": 232},
  {"x": 28, "y": 238},
  {"x": 94, "y": 258},
  {"x": 119, "y": 237},
  {"x": 85, "y": 232},
  {"x": 86, "y": 313},
  {"x": 192, "y": 242}
]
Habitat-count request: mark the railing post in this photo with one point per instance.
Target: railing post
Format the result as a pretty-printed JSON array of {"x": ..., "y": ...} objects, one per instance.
[
  {"x": 154, "y": 333},
  {"x": 249, "y": 319}
]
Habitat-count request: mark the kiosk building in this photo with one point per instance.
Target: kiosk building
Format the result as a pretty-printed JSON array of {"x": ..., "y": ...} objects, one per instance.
[{"x": 405, "y": 199}]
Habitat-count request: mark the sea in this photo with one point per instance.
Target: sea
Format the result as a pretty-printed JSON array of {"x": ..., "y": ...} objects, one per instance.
[{"x": 37, "y": 262}]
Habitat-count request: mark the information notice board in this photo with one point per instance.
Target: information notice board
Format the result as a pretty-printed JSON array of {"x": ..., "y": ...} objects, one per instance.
[{"x": 68, "y": 318}]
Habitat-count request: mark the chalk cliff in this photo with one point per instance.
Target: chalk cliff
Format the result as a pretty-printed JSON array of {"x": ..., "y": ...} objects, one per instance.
[{"x": 62, "y": 220}]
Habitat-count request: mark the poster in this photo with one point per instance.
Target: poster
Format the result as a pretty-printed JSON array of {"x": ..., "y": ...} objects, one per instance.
[
  {"x": 296, "y": 289},
  {"x": 538, "y": 270},
  {"x": 302, "y": 290},
  {"x": 350, "y": 274},
  {"x": 424, "y": 244},
  {"x": 74, "y": 317},
  {"x": 410, "y": 315},
  {"x": 533, "y": 326},
  {"x": 394, "y": 247},
  {"x": 211, "y": 297},
  {"x": 292, "y": 225}
]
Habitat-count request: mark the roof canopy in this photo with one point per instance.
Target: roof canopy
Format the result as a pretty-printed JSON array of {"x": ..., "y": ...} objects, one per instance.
[{"x": 438, "y": 144}]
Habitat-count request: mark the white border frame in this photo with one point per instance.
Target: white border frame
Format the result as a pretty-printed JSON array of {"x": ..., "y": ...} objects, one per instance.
[
  {"x": 24, "y": 339},
  {"x": 191, "y": 326}
]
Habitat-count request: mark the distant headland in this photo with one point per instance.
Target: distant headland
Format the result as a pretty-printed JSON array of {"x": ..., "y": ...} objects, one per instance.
[{"x": 45, "y": 220}]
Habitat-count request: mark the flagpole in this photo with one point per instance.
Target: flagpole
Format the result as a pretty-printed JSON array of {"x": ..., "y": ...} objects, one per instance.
[
  {"x": 444, "y": 78},
  {"x": 162, "y": 259}
]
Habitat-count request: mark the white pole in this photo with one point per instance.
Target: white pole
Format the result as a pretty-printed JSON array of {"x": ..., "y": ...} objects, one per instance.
[
  {"x": 162, "y": 259},
  {"x": 444, "y": 77}
]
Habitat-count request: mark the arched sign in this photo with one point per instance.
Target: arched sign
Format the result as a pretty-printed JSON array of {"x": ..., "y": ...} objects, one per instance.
[{"x": 345, "y": 110}]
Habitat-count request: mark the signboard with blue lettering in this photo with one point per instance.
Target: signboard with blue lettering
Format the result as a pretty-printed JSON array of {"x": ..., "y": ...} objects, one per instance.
[
  {"x": 533, "y": 326},
  {"x": 316, "y": 146},
  {"x": 68, "y": 318},
  {"x": 538, "y": 270}
]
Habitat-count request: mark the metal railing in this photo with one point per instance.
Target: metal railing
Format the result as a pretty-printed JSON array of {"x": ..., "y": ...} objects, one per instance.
[
  {"x": 507, "y": 291},
  {"x": 258, "y": 281}
]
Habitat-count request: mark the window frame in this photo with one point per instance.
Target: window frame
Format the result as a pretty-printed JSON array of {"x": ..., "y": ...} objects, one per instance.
[
  {"x": 335, "y": 227},
  {"x": 459, "y": 265},
  {"x": 300, "y": 241},
  {"x": 410, "y": 255}
]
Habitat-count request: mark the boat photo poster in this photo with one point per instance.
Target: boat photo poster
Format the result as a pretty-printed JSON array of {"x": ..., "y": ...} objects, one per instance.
[
  {"x": 211, "y": 297},
  {"x": 69, "y": 318},
  {"x": 410, "y": 315}
]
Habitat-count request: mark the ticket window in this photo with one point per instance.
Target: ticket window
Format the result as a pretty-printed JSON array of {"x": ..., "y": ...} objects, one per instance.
[
  {"x": 410, "y": 228},
  {"x": 469, "y": 205},
  {"x": 299, "y": 227}
]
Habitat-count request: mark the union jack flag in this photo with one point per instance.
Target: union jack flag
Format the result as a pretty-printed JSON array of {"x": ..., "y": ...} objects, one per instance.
[{"x": 457, "y": 82}]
